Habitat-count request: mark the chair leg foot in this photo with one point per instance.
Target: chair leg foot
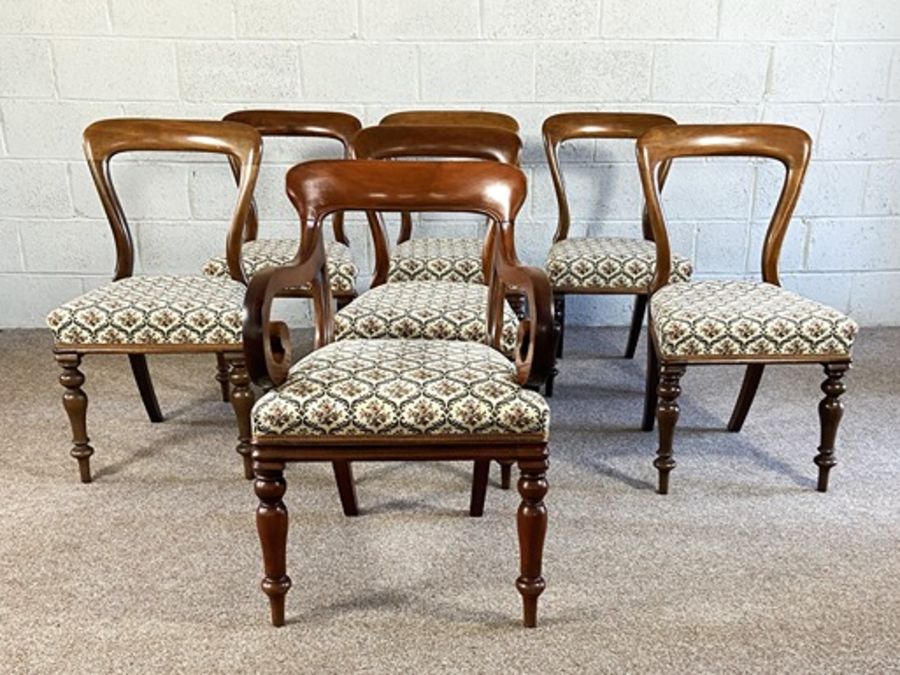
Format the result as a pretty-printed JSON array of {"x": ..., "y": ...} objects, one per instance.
[
  {"x": 272, "y": 526},
  {"x": 222, "y": 376},
  {"x": 242, "y": 401},
  {"x": 532, "y": 527},
  {"x": 141, "y": 373},
  {"x": 343, "y": 476},
  {"x": 752, "y": 377},
  {"x": 831, "y": 410},
  {"x": 637, "y": 320},
  {"x": 75, "y": 402},
  {"x": 667, "y": 411},
  {"x": 480, "y": 475}
]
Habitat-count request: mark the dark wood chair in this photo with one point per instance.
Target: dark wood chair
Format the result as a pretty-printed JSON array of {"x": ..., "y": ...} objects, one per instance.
[
  {"x": 443, "y": 258},
  {"x": 261, "y": 253},
  {"x": 735, "y": 322},
  {"x": 145, "y": 315},
  {"x": 432, "y": 306},
  {"x": 400, "y": 400},
  {"x": 599, "y": 265}
]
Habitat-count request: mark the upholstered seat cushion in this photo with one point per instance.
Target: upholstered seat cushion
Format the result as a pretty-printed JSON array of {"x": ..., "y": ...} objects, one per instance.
[
  {"x": 437, "y": 259},
  {"x": 153, "y": 310},
  {"x": 433, "y": 310},
  {"x": 609, "y": 263},
  {"x": 745, "y": 319},
  {"x": 401, "y": 388},
  {"x": 261, "y": 253}
]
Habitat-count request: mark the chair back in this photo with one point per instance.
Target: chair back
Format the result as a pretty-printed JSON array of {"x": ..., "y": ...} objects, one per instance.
[
  {"x": 563, "y": 127},
  {"x": 338, "y": 126},
  {"x": 240, "y": 143},
  {"x": 481, "y": 118},
  {"x": 788, "y": 145}
]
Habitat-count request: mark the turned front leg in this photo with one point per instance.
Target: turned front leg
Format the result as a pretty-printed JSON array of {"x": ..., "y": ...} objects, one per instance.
[
  {"x": 222, "y": 376},
  {"x": 667, "y": 410},
  {"x": 272, "y": 524},
  {"x": 242, "y": 401},
  {"x": 532, "y": 526},
  {"x": 831, "y": 409},
  {"x": 75, "y": 402}
]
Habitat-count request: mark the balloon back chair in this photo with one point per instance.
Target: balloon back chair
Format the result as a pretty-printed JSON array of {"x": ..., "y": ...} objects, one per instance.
[
  {"x": 141, "y": 315},
  {"x": 432, "y": 305},
  {"x": 400, "y": 399},
  {"x": 753, "y": 323},
  {"x": 602, "y": 265}
]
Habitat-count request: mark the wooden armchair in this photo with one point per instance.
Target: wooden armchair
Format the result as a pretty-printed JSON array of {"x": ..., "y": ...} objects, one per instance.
[
  {"x": 158, "y": 314},
  {"x": 400, "y": 399},
  {"x": 442, "y": 258},
  {"x": 257, "y": 253},
  {"x": 432, "y": 305},
  {"x": 735, "y": 322},
  {"x": 600, "y": 265}
]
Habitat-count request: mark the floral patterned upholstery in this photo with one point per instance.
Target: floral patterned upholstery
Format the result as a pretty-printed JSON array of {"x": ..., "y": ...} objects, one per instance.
[
  {"x": 261, "y": 253},
  {"x": 608, "y": 263},
  {"x": 437, "y": 260},
  {"x": 434, "y": 310},
  {"x": 401, "y": 388},
  {"x": 744, "y": 319},
  {"x": 153, "y": 310}
]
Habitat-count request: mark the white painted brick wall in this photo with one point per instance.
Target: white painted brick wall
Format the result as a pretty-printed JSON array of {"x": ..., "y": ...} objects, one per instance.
[{"x": 830, "y": 66}]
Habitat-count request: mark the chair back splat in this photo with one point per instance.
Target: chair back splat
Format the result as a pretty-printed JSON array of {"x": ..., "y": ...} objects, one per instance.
[
  {"x": 788, "y": 145},
  {"x": 105, "y": 139}
]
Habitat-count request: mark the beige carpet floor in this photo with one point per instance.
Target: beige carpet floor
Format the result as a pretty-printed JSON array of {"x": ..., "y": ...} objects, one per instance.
[{"x": 742, "y": 568}]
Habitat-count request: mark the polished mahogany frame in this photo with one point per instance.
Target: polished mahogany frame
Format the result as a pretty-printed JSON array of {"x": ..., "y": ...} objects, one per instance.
[
  {"x": 337, "y": 126},
  {"x": 320, "y": 188},
  {"x": 468, "y": 118},
  {"x": 563, "y": 127},
  {"x": 791, "y": 147},
  {"x": 103, "y": 140}
]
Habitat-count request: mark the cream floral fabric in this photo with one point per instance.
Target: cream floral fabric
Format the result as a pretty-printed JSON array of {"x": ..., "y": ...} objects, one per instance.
[
  {"x": 434, "y": 310},
  {"x": 153, "y": 310},
  {"x": 401, "y": 388},
  {"x": 609, "y": 263},
  {"x": 437, "y": 259},
  {"x": 261, "y": 253},
  {"x": 745, "y": 319}
]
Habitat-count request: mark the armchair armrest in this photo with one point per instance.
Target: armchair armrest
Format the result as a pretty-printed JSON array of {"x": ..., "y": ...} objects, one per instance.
[{"x": 267, "y": 345}]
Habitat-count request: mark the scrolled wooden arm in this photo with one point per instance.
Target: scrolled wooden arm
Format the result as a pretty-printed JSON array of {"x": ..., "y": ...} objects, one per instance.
[
  {"x": 536, "y": 342},
  {"x": 267, "y": 345}
]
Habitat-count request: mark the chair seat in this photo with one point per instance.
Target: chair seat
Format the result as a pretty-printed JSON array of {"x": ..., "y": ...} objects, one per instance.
[
  {"x": 432, "y": 310},
  {"x": 153, "y": 310},
  {"x": 608, "y": 263},
  {"x": 745, "y": 319},
  {"x": 262, "y": 253},
  {"x": 401, "y": 388},
  {"x": 437, "y": 260}
]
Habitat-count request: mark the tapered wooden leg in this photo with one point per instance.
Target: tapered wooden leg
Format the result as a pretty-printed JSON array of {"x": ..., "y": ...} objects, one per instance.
[
  {"x": 222, "y": 376},
  {"x": 532, "y": 526},
  {"x": 75, "y": 402},
  {"x": 480, "y": 476},
  {"x": 650, "y": 387},
  {"x": 559, "y": 312},
  {"x": 272, "y": 526},
  {"x": 548, "y": 385},
  {"x": 745, "y": 398},
  {"x": 343, "y": 476},
  {"x": 667, "y": 410},
  {"x": 145, "y": 386},
  {"x": 505, "y": 473},
  {"x": 637, "y": 320},
  {"x": 831, "y": 409},
  {"x": 242, "y": 401}
]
